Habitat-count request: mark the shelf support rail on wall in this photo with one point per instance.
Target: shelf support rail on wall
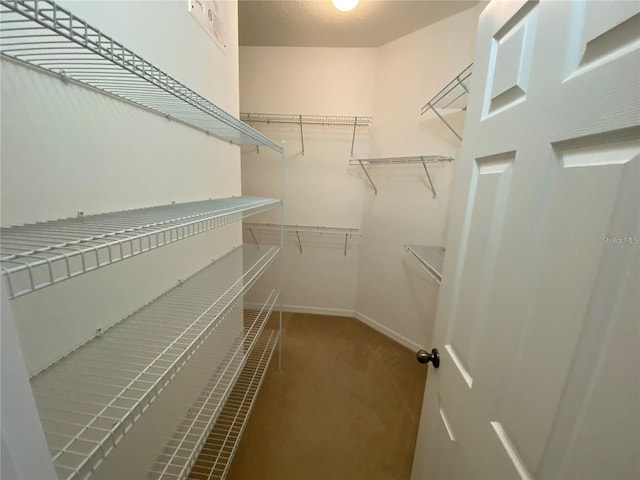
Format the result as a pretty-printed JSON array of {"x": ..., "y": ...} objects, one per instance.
[
  {"x": 46, "y": 36},
  {"x": 300, "y": 120},
  {"x": 304, "y": 230},
  {"x": 423, "y": 159},
  {"x": 453, "y": 95}
]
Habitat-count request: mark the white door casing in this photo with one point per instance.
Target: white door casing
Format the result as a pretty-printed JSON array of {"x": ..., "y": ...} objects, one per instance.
[{"x": 538, "y": 320}]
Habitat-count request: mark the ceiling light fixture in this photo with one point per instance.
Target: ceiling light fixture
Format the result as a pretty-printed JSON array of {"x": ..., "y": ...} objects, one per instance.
[{"x": 345, "y": 5}]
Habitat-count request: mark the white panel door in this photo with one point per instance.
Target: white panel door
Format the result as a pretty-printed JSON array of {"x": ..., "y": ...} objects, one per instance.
[{"x": 539, "y": 315}]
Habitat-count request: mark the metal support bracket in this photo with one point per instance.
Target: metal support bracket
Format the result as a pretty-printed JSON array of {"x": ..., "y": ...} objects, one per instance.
[
  {"x": 299, "y": 242},
  {"x": 367, "y": 174},
  {"x": 346, "y": 239},
  {"x": 353, "y": 137},
  {"x": 301, "y": 133},
  {"x": 445, "y": 122},
  {"x": 431, "y": 187},
  {"x": 461, "y": 83},
  {"x": 254, "y": 238},
  {"x": 251, "y": 125}
]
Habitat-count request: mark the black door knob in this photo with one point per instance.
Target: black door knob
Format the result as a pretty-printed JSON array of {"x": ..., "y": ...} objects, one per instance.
[{"x": 425, "y": 357}]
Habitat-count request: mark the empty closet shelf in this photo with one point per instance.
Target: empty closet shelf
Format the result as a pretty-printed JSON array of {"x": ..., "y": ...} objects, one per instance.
[
  {"x": 454, "y": 95},
  {"x": 306, "y": 119},
  {"x": 210, "y": 456},
  {"x": 422, "y": 159},
  {"x": 92, "y": 397},
  {"x": 38, "y": 255},
  {"x": 307, "y": 235},
  {"x": 430, "y": 257},
  {"x": 217, "y": 396},
  {"x": 400, "y": 160},
  {"x": 45, "y": 35},
  {"x": 322, "y": 120},
  {"x": 215, "y": 458}
]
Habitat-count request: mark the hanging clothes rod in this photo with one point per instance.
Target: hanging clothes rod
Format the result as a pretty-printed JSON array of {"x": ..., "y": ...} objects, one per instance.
[{"x": 293, "y": 119}]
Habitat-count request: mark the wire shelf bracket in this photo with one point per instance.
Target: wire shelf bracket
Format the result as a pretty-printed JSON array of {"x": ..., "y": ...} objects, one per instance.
[
  {"x": 430, "y": 257},
  {"x": 44, "y": 35},
  {"x": 425, "y": 160},
  {"x": 453, "y": 95},
  {"x": 300, "y": 120}
]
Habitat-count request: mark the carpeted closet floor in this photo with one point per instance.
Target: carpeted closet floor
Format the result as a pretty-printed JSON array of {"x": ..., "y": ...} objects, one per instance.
[{"x": 345, "y": 406}]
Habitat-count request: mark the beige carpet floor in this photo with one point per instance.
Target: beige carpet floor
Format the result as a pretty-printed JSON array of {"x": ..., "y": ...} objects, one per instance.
[{"x": 345, "y": 406}]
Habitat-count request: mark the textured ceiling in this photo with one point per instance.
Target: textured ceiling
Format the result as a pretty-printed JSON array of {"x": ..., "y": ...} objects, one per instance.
[{"x": 317, "y": 23}]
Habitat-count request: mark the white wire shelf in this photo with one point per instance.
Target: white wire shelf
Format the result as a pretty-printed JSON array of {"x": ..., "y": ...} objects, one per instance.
[
  {"x": 49, "y": 37},
  {"x": 430, "y": 257},
  {"x": 400, "y": 160},
  {"x": 422, "y": 159},
  {"x": 218, "y": 396},
  {"x": 293, "y": 234},
  {"x": 453, "y": 96},
  {"x": 42, "y": 254},
  {"x": 92, "y": 397},
  {"x": 323, "y": 120},
  {"x": 215, "y": 458}
]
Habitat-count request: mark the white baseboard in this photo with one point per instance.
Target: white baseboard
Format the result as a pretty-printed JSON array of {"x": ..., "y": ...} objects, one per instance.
[
  {"x": 339, "y": 312},
  {"x": 387, "y": 332}
]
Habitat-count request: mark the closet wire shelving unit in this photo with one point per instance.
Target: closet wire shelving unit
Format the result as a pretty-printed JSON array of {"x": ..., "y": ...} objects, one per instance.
[
  {"x": 295, "y": 233},
  {"x": 453, "y": 96},
  {"x": 49, "y": 37},
  {"x": 322, "y": 120},
  {"x": 422, "y": 159},
  {"x": 131, "y": 363},
  {"x": 92, "y": 396}
]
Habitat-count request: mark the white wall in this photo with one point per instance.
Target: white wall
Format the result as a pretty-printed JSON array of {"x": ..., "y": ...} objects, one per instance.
[
  {"x": 393, "y": 290},
  {"x": 320, "y": 188},
  {"x": 388, "y": 290},
  {"x": 67, "y": 148},
  {"x": 84, "y": 151}
]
